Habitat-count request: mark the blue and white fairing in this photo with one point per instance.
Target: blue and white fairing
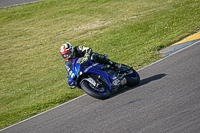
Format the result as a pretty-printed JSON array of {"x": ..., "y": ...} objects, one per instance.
[
  {"x": 73, "y": 72},
  {"x": 89, "y": 67}
]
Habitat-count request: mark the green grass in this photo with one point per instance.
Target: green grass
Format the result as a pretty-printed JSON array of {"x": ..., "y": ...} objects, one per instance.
[{"x": 33, "y": 75}]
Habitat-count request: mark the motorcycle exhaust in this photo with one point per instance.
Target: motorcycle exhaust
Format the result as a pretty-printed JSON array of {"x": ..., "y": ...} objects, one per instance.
[{"x": 119, "y": 82}]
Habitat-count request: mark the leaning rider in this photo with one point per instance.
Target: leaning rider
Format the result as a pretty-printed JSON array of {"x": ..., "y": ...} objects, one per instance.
[{"x": 69, "y": 53}]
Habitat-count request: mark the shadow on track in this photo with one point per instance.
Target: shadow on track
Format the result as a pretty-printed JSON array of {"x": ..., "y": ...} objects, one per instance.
[
  {"x": 150, "y": 79},
  {"x": 142, "y": 82}
]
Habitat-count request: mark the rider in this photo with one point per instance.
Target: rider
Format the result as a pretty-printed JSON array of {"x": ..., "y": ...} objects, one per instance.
[{"x": 69, "y": 53}]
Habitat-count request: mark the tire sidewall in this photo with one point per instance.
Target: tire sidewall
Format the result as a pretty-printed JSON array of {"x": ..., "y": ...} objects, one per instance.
[
  {"x": 87, "y": 89},
  {"x": 132, "y": 81}
]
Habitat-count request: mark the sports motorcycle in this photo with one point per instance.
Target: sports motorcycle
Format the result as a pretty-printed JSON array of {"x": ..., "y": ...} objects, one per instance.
[{"x": 99, "y": 80}]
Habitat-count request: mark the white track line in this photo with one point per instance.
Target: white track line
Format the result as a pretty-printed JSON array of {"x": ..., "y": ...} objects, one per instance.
[
  {"x": 43, "y": 112},
  {"x": 85, "y": 94},
  {"x": 169, "y": 55}
]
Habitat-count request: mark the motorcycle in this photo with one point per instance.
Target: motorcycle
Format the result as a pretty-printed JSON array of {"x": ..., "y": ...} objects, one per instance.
[{"x": 99, "y": 80}]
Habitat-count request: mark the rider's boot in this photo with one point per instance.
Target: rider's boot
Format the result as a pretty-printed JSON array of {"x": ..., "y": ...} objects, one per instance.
[
  {"x": 104, "y": 60},
  {"x": 118, "y": 65},
  {"x": 114, "y": 64}
]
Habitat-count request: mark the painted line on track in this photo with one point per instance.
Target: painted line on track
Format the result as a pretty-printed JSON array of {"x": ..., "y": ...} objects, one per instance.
[
  {"x": 181, "y": 44},
  {"x": 86, "y": 94},
  {"x": 169, "y": 55},
  {"x": 195, "y": 36},
  {"x": 43, "y": 112}
]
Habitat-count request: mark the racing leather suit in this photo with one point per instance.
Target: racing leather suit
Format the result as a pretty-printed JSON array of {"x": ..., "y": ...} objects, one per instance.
[{"x": 81, "y": 51}]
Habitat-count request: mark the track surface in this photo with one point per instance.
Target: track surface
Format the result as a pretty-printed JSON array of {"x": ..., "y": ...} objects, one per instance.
[
  {"x": 167, "y": 100},
  {"x": 5, "y": 3}
]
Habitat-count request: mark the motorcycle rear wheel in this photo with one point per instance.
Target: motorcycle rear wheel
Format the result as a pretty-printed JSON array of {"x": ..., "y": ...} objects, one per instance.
[
  {"x": 101, "y": 93},
  {"x": 132, "y": 79}
]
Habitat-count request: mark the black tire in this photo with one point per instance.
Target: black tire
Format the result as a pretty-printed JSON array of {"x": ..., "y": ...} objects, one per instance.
[
  {"x": 132, "y": 79},
  {"x": 87, "y": 88}
]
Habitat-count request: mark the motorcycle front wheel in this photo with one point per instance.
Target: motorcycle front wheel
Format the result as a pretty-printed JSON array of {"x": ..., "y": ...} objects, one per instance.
[{"x": 99, "y": 93}]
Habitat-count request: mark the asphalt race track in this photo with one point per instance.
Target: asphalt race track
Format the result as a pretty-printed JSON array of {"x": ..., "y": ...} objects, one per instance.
[
  {"x": 167, "y": 100},
  {"x": 5, "y": 3}
]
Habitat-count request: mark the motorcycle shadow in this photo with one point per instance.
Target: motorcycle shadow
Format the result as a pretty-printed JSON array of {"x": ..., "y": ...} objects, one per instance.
[{"x": 142, "y": 82}]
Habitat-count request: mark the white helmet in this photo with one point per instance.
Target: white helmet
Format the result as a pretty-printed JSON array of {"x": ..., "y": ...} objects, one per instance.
[{"x": 66, "y": 51}]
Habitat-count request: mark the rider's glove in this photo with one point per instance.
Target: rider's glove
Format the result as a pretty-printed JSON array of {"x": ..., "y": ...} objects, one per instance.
[{"x": 85, "y": 58}]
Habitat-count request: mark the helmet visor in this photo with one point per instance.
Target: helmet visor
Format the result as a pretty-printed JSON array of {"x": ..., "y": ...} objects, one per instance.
[{"x": 67, "y": 55}]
